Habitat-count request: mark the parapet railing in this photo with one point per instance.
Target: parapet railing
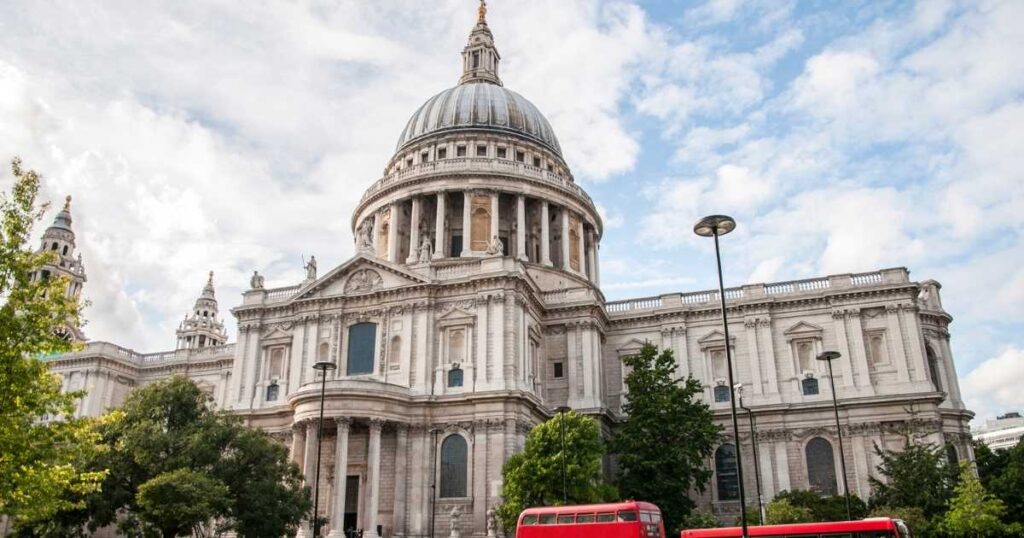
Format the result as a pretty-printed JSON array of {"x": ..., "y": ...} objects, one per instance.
[{"x": 116, "y": 351}]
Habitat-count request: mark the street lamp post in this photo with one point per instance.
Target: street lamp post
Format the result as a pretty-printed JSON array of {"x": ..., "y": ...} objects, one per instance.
[
  {"x": 323, "y": 367},
  {"x": 714, "y": 226},
  {"x": 561, "y": 423},
  {"x": 753, "y": 447},
  {"x": 433, "y": 485},
  {"x": 828, "y": 357}
]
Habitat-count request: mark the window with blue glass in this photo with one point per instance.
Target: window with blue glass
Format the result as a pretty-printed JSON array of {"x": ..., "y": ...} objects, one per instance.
[
  {"x": 810, "y": 386},
  {"x": 455, "y": 377},
  {"x": 361, "y": 340},
  {"x": 721, "y": 393},
  {"x": 272, "y": 392},
  {"x": 726, "y": 475},
  {"x": 454, "y": 453}
]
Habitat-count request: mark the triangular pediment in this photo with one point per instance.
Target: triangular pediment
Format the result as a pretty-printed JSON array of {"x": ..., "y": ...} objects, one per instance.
[
  {"x": 633, "y": 346},
  {"x": 715, "y": 338},
  {"x": 361, "y": 275},
  {"x": 803, "y": 329},
  {"x": 276, "y": 335}
]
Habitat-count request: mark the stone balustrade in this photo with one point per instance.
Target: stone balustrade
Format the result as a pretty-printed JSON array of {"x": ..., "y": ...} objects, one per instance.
[{"x": 106, "y": 349}]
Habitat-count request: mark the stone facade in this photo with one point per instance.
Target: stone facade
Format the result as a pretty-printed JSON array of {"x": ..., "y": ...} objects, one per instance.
[{"x": 472, "y": 308}]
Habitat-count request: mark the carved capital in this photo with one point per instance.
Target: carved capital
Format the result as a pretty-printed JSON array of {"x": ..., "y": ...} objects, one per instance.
[
  {"x": 376, "y": 425},
  {"x": 343, "y": 423}
]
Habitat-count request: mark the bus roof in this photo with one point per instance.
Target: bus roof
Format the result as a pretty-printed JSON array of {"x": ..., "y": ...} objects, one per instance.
[
  {"x": 605, "y": 507},
  {"x": 871, "y": 524}
]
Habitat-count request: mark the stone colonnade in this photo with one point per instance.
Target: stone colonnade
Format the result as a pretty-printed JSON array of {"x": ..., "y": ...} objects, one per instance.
[{"x": 538, "y": 231}]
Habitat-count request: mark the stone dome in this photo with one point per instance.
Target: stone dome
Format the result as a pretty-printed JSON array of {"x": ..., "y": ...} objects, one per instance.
[{"x": 480, "y": 106}]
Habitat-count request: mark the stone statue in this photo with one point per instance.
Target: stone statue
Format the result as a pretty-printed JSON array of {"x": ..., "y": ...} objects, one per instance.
[
  {"x": 492, "y": 523},
  {"x": 925, "y": 296},
  {"x": 496, "y": 247},
  {"x": 256, "y": 282},
  {"x": 426, "y": 250},
  {"x": 453, "y": 524},
  {"x": 364, "y": 239},
  {"x": 311, "y": 268}
]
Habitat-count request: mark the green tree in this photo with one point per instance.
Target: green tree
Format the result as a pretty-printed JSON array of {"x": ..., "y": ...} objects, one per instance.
[
  {"x": 1002, "y": 473},
  {"x": 40, "y": 459},
  {"x": 781, "y": 511},
  {"x": 181, "y": 501},
  {"x": 913, "y": 516},
  {"x": 533, "y": 477},
  {"x": 664, "y": 445},
  {"x": 973, "y": 512},
  {"x": 829, "y": 508},
  {"x": 167, "y": 436},
  {"x": 699, "y": 519},
  {"x": 916, "y": 476}
]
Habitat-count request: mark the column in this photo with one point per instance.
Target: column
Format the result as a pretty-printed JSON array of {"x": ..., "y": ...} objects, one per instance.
[
  {"x": 754, "y": 356},
  {"x": 309, "y": 468},
  {"x": 782, "y": 461},
  {"x": 565, "y": 237},
  {"x": 899, "y": 356},
  {"x": 401, "y": 478},
  {"x": 913, "y": 330},
  {"x": 393, "y": 233},
  {"x": 843, "y": 344},
  {"x": 439, "y": 244},
  {"x": 521, "y": 228},
  {"x": 414, "y": 231},
  {"x": 337, "y": 517},
  {"x": 495, "y": 221},
  {"x": 597, "y": 262},
  {"x": 769, "y": 355},
  {"x": 592, "y": 257},
  {"x": 582, "y": 249},
  {"x": 467, "y": 223},
  {"x": 373, "y": 470},
  {"x": 545, "y": 234}
]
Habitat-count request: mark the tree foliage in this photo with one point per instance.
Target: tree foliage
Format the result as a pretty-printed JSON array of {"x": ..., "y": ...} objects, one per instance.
[
  {"x": 699, "y": 519},
  {"x": 1002, "y": 473},
  {"x": 40, "y": 459},
  {"x": 830, "y": 508},
  {"x": 533, "y": 477},
  {"x": 664, "y": 445},
  {"x": 781, "y": 511},
  {"x": 973, "y": 512},
  {"x": 917, "y": 476},
  {"x": 167, "y": 441}
]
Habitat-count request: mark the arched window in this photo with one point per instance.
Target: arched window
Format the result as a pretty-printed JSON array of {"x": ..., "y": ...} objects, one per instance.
[
  {"x": 810, "y": 386},
  {"x": 53, "y": 246},
  {"x": 718, "y": 366},
  {"x": 65, "y": 251},
  {"x": 480, "y": 227},
  {"x": 721, "y": 393},
  {"x": 361, "y": 338},
  {"x": 455, "y": 377},
  {"x": 276, "y": 365},
  {"x": 725, "y": 473},
  {"x": 453, "y": 466},
  {"x": 933, "y": 369},
  {"x": 821, "y": 467},
  {"x": 272, "y": 392},
  {"x": 952, "y": 458}
]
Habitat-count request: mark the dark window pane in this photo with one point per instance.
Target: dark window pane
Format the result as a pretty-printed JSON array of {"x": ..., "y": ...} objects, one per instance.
[
  {"x": 558, "y": 369},
  {"x": 456, "y": 245},
  {"x": 952, "y": 458},
  {"x": 547, "y": 519},
  {"x": 721, "y": 393},
  {"x": 272, "y": 392},
  {"x": 529, "y": 520},
  {"x": 453, "y": 466},
  {"x": 361, "y": 338},
  {"x": 627, "y": 515},
  {"x": 821, "y": 468},
  {"x": 725, "y": 473},
  {"x": 460, "y": 151},
  {"x": 442, "y": 153},
  {"x": 810, "y": 386},
  {"x": 585, "y": 518},
  {"x": 455, "y": 377},
  {"x": 605, "y": 518},
  {"x": 565, "y": 519}
]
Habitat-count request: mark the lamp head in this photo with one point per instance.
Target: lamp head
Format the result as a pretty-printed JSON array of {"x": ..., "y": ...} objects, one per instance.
[
  {"x": 829, "y": 356},
  {"x": 713, "y": 225},
  {"x": 324, "y": 366}
]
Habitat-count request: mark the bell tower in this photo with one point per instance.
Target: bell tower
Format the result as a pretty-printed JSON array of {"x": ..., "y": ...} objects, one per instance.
[
  {"x": 480, "y": 58},
  {"x": 59, "y": 240},
  {"x": 201, "y": 328}
]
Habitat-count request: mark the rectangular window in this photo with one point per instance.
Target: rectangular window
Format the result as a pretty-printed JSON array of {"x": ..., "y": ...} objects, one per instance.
[
  {"x": 520, "y": 156},
  {"x": 585, "y": 518},
  {"x": 547, "y": 519},
  {"x": 558, "y": 370},
  {"x": 721, "y": 393},
  {"x": 424, "y": 157},
  {"x": 460, "y": 151},
  {"x": 605, "y": 518},
  {"x": 456, "y": 244},
  {"x": 361, "y": 338},
  {"x": 481, "y": 151},
  {"x": 565, "y": 519},
  {"x": 627, "y": 515},
  {"x": 442, "y": 153},
  {"x": 536, "y": 162},
  {"x": 502, "y": 153},
  {"x": 408, "y": 162},
  {"x": 529, "y": 520}
]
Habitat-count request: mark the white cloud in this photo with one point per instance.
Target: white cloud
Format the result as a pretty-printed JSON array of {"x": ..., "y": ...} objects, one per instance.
[{"x": 994, "y": 386}]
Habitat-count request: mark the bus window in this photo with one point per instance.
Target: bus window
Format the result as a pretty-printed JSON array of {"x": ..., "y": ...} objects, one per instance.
[
  {"x": 585, "y": 518},
  {"x": 530, "y": 520},
  {"x": 646, "y": 517},
  {"x": 605, "y": 518},
  {"x": 565, "y": 518},
  {"x": 627, "y": 515},
  {"x": 547, "y": 519}
]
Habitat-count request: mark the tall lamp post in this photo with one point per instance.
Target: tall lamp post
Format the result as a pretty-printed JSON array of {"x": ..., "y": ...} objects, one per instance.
[
  {"x": 753, "y": 446},
  {"x": 714, "y": 226},
  {"x": 828, "y": 357},
  {"x": 561, "y": 423},
  {"x": 323, "y": 367}
]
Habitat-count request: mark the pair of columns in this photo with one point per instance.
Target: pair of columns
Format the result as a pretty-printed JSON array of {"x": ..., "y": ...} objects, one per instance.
[{"x": 336, "y": 506}]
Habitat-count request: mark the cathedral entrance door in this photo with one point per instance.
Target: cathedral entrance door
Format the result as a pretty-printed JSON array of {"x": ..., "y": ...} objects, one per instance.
[{"x": 350, "y": 521}]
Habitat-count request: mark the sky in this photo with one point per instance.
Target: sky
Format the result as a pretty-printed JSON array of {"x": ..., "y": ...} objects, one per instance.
[{"x": 842, "y": 136}]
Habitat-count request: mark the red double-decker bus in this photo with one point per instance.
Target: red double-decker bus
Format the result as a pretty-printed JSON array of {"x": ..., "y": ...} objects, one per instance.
[
  {"x": 630, "y": 519},
  {"x": 866, "y": 528}
]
